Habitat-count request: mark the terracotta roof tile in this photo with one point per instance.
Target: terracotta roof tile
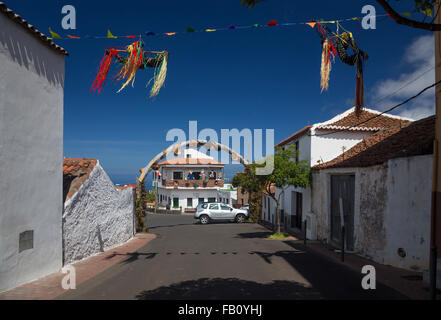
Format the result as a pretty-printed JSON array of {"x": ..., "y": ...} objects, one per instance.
[
  {"x": 349, "y": 122},
  {"x": 15, "y": 17},
  {"x": 75, "y": 172},
  {"x": 415, "y": 139},
  {"x": 126, "y": 187},
  {"x": 192, "y": 161}
]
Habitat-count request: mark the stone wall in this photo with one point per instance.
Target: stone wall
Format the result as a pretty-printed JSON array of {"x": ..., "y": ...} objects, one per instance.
[{"x": 97, "y": 218}]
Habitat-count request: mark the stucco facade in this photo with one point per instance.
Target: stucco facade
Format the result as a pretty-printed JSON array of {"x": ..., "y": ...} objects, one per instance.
[
  {"x": 97, "y": 217},
  {"x": 391, "y": 210},
  {"x": 31, "y": 155},
  {"x": 177, "y": 190},
  {"x": 316, "y": 144}
]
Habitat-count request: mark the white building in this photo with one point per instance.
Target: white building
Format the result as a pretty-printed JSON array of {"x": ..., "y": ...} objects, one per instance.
[
  {"x": 97, "y": 216},
  {"x": 382, "y": 188},
  {"x": 31, "y": 151},
  {"x": 228, "y": 195},
  {"x": 320, "y": 143},
  {"x": 177, "y": 190}
]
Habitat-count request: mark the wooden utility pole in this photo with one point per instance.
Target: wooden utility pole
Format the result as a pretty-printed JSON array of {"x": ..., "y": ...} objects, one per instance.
[{"x": 435, "y": 228}]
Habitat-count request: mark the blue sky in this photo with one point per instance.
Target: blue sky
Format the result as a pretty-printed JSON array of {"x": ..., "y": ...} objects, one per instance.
[{"x": 266, "y": 78}]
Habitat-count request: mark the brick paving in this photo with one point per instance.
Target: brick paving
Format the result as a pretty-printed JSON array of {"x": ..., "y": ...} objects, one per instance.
[{"x": 49, "y": 287}]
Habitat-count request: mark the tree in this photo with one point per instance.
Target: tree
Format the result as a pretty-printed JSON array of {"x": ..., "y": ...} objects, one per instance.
[
  {"x": 286, "y": 172},
  {"x": 253, "y": 186},
  {"x": 140, "y": 206},
  {"x": 420, "y": 5},
  {"x": 151, "y": 196}
]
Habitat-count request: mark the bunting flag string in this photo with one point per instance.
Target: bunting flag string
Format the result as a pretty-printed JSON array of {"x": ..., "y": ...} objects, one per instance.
[{"x": 189, "y": 29}]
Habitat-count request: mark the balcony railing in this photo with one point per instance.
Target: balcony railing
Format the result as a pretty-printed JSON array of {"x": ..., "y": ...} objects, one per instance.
[{"x": 193, "y": 183}]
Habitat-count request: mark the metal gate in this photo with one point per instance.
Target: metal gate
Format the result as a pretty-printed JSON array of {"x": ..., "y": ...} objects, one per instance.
[{"x": 342, "y": 197}]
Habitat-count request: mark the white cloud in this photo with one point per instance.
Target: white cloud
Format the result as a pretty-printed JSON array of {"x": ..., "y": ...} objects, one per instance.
[{"x": 418, "y": 58}]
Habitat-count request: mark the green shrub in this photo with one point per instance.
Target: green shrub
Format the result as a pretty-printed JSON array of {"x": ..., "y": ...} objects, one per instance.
[{"x": 281, "y": 235}]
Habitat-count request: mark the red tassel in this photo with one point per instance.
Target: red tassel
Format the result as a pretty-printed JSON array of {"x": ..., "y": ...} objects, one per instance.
[{"x": 105, "y": 64}]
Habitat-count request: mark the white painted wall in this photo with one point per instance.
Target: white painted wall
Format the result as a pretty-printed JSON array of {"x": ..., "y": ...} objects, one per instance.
[
  {"x": 97, "y": 218},
  {"x": 326, "y": 146},
  {"x": 228, "y": 196},
  {"x": 183, "y": 194},
  {"x": 313, "y": 146},
  {"x": 31, "y": 154},
  {"x": 268, "y": 209},
  {"x": 391, "y": 210}
]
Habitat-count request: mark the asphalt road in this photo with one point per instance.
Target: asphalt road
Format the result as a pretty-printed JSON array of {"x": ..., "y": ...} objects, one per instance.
[{"x": 224, "y": 261}]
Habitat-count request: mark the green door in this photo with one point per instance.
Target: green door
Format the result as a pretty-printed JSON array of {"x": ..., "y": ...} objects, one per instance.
[{"x": 175, "y": 202}]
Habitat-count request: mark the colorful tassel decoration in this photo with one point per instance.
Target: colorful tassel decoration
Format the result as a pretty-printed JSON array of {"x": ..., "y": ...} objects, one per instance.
[
  {"x": 159, "y": 77},
  {"x": 137, "y": 59},
  {"x": 325, "y": 69},
  {"x": 105, "y": 64}
]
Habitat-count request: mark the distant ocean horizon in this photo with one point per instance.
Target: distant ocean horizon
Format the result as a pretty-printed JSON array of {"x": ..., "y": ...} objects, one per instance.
[{"x": 123, "y": 179}]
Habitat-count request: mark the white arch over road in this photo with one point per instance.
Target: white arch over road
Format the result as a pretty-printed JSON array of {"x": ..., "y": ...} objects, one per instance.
[{"x": 192, "y": 144}]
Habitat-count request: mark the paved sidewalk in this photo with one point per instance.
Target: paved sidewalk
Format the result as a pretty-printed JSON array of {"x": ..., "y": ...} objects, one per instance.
[
  {"x": 408, "y": 283},
  {"x": 49, "y": 287}
]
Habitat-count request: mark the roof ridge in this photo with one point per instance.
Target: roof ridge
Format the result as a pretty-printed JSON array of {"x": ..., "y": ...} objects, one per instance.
[
  {"x": 364, "y": 147},
  {"x": 29, "y": 27}
]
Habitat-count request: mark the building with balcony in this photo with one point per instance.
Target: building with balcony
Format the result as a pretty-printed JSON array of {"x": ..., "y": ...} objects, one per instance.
[{"x": 185, "y": 182}]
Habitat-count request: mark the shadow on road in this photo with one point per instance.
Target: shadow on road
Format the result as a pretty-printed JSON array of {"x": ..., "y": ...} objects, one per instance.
[
  {"x": 230, "y": 289},
  {"x": 133, "y": 256},
  {"x": 254, "y": 235},
  {"x": 332, "y": 280}
]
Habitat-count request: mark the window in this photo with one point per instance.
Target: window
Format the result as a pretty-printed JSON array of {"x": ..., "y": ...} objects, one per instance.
[
  {"x": 200, "y": 200},
  {"x": 225, "y": 207},
  {"x": 214, "y": 206},
  {"x": 188, "y": 156},
  {"x": 178, "y": 175},
  {"x": 227, "y": 201},
  {"x": 189, "y": 202},
  {"x": 297, "y": 149},
  {"x": 196, "y": 174},
  {"x": 211, "y": 199},
  {"x": 26, "y": 240},
  {"x": 269, "y": 207}
]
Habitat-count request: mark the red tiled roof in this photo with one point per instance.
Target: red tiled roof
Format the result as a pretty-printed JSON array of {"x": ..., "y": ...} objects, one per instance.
[
  {"x": 294, "y": 136},
  {"x": 350, "y": 121},
  {"x": 126, "y": 187},
  {"x": 193, "y": 161},
  {"x": 35, "y": 32},
  {"x": 75, "y": 172},
  {"x": 415, "y": 139}
]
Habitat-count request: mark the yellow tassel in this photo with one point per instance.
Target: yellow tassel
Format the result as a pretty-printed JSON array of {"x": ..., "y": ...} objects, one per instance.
[{"x": 325, "y": 69}]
